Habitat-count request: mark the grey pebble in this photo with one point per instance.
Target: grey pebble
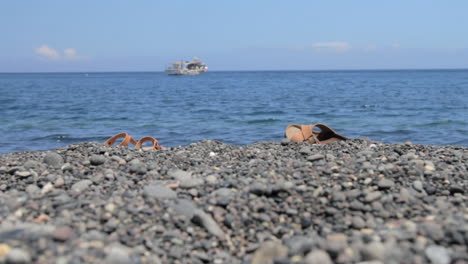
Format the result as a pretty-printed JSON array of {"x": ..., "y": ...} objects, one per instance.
[
  {"x": 268, "y": 252},
  {"x": 205, "y": 220},
  {"x": 159, "y": 192},
  {"x": 18, "y": 256},
  {"x": 373, "y": 196},
  {"x": 318, "y": 257},
  {"x": 417, "y": 185},
  {"x": 315, "y": 157},
  {"x": 385, "y": 184},
  {"x": 53, "y": 159},
  {"x": 80, "y": 186},
  {"x": 138, "y": 168},
  {"x": 437, "y": 254},
  {"x": 97, "y": 160},
  {"x": 117, "y": 255}
]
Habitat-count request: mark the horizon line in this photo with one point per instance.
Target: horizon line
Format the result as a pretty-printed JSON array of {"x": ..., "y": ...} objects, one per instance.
[{"x": 260, "y": 70}]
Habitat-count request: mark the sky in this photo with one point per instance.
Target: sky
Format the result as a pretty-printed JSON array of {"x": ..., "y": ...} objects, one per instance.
[{"x": 145, "y": 35}]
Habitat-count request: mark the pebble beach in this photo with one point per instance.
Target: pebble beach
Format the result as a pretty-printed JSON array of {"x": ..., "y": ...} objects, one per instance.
[{"x": 355, "y": 201}]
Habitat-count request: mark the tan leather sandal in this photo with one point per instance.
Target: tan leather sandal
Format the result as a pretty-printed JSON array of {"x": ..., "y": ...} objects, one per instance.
[
  {"x": 155, "y": 142},
  {"x": 126, "y": 139},
  {"x": 306, "y": 133}
]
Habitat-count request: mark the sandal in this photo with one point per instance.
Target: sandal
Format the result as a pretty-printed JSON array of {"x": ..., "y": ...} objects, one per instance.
[
  {"x": 127, "y": 139},
  {"x": 155, "y": 142},
  {"x": 306, "y": 133}
]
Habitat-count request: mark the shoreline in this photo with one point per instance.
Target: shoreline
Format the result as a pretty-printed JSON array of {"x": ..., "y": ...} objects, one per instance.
[{"x": 210, "y": 202}]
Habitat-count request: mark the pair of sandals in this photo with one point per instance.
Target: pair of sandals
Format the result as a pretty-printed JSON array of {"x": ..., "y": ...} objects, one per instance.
[
  {"x": 310, "y": 134},
  {"x": 127, "y": 139},
  {"x": 294, "y": 132}
]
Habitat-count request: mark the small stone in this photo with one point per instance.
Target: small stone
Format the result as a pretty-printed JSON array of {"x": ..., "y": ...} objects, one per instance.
[
  {"x": 318, "y": 257},
  {"x": 18, "y": 256},
  {"x": 23, "y": 174},
  {"x": 53, "y": 159},
  {"x": 429, "y": 166},
  {"x": 47, "y": 188},
  {"x": 417, "y": 185},
  {"x": 184, "y": 207},
  {"x": 315, "y": 157},
  {"x": 299, "y": 245},
  {"x": 81, "y": 186},
  {"x": 203, "y": 219},
  {"x": 337, "y": 242},
  {"x": 30, "y": 164},
  {"x": 305, "y": 150},
  {"x": 32, "y": 189},
  {"x": 59, "y": 182},
  {"x": 374, "y": 251},
  {"x": 62, "y": 234},
  {"x": 385, "y": 184},
  {"x": 178, "y": 174},
  {"x": 358, "y": 222},
  {"x": 191, "y": 182},
  {"x": 97, "y": 160},
  {"x": 110, "y": 207},
  {"x": 159, "y": 192},
  {"x": 67, "y": 167},
  {"x": 456, "y": 189},
  {"x": 211, "y": 179},
  {"x": 117, "y": 255},
  {"x": 268, "y": 252},
  {"x": 138, "y": 168},
  {"x": 437, "y": 254},
  {"x": 373, "y": 196},
  {"x": 222, "y": 196},
  {"x": 405, "y": 195}
]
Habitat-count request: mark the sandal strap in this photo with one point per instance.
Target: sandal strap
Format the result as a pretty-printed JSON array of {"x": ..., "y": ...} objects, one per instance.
[
  {"x": 155, "y": 142},
  {"x": 127, "y": 139}
]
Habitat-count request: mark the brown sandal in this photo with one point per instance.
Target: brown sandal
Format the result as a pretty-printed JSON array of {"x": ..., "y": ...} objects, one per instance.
[
  {"x": 155, "y": 142},
  {"x": 306, "y": 133},
  {"x": 127, "y": 139}
]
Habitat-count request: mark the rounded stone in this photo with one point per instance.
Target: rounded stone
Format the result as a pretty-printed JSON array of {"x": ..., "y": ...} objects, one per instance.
[
  {"x": 18, "y": 256},
  {"x": 97, "y": 160},
  {"x": 53, "y": 159},
  {"x": 159, "y": 192},
  {"x": 62, "y": 233},
  {"x": 318, "y": 257}
]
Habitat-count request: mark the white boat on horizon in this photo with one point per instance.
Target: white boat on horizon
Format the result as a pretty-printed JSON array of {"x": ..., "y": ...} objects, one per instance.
[{"x": 193, "y": 67}]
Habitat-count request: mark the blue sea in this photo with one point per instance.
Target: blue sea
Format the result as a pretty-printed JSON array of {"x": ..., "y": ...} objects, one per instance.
[{"x": 42, "y": 111}]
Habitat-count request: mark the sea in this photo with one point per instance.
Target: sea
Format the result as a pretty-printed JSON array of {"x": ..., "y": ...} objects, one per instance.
[{"x": 44, "y": 111}]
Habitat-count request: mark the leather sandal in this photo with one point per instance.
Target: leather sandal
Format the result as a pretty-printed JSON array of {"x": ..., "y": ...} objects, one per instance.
[
  {"x": 155, "y": 142},
  {"x": 126, "y": 139},
  {"x": 306, "y": 133}
]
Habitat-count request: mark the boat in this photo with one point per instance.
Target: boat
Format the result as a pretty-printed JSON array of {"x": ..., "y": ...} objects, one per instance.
[{"x": 193, "y": 67}]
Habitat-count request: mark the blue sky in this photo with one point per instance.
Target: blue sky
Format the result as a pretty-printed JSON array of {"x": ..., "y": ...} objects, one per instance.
[{"x": 144, "y": 35}]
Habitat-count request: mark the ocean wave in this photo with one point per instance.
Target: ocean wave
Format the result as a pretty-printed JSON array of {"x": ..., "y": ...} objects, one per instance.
[
  {"x": 266, "y": 112},
  {"x": 263, "y": 121},
  {"x": 441, "y": 123},
  {"x": 67, "y": 138}
]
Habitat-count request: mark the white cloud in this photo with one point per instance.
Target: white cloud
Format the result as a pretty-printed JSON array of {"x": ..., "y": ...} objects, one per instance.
[
  {"x": 70, "y": 54},
  {"x": 47, "y": 53},
  {"x": 333, "y": 46}
]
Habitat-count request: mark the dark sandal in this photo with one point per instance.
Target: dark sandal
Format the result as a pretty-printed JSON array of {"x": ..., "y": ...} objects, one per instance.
[{"x": 306, "y": 133}]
